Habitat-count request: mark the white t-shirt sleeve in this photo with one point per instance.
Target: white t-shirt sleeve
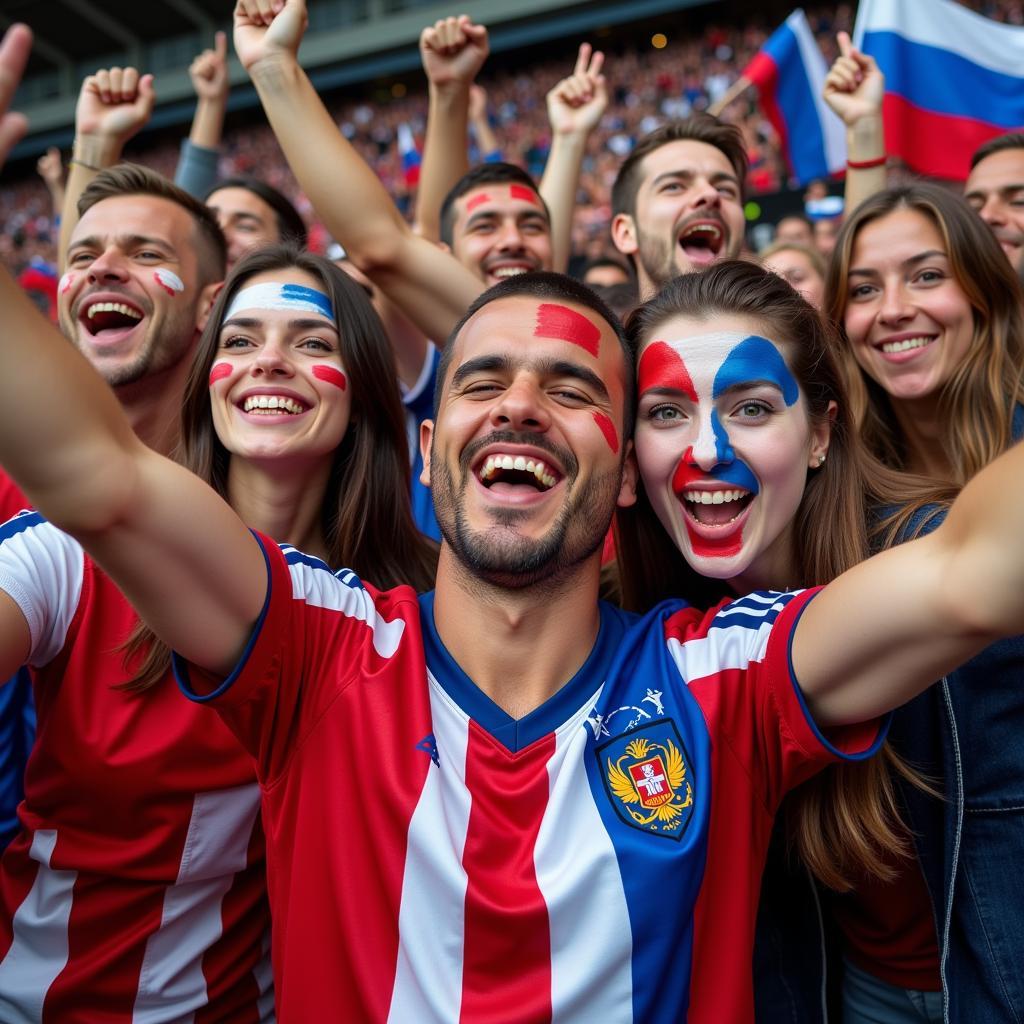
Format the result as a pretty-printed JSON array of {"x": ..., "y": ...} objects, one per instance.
[{"x": 41, "y": 570}]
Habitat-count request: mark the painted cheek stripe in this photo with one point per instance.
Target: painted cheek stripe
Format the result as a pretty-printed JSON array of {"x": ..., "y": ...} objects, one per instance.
[
  {"x": 478, "y": 200},
  {"x": 330, "y": 374},
  {"x": 219, "y": 372},
  {"x": 564, "y": 324},
  {"x": 65, "y": 283},
  {"x": 169, "y": 281},
  {"x": 524, "y": 193},
  {"x": 271, "y": 295},
  {"x": 661, "y": 366},
  {"x": 608, "y": 429}
]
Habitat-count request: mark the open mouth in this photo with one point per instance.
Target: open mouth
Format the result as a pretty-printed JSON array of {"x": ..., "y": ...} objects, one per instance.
[
  {"x": 504, "y": 270},
  {"x": 906, "y": 344},
  {"x": 702, "y": 241},
  {"x": 516, "y": 474},
  {"x": 272, "y": 405},
  {"x": 716, "y": 508},
  {"x": 100, "y": 317}
]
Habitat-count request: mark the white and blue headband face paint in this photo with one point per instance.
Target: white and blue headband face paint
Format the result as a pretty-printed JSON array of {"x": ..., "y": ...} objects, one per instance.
[{"x": 298, "y": 298}]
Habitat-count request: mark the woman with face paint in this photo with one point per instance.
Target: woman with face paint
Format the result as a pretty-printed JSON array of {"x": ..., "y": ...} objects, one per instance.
[
  {"x": 754, "y": 479},
  {"x": 138, "y": 883}
]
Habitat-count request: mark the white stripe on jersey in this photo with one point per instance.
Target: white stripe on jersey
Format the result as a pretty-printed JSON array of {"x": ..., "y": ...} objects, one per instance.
[
  {"x": 41, "y": 570},
  {"x": 320, "y": 588},
  {"x": 728, "y": 647},
  {"x": 216, "y": 849},
  {"x": 591, "y": 938},
  {"x": 431, "y": 921},
  {"x": 264, "y": 974},
  {"x": 39, "y": 948}
]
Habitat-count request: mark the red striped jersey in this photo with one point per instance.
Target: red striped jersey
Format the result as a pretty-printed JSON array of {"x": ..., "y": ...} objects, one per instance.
[
  {"x": 135, "y": 891},
  {"x": 433, "y": 860}
]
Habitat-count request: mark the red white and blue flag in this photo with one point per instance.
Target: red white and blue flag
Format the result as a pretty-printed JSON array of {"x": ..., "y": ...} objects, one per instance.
[
  {"x": 410, "y": 155},
  {"x": 953, "y": 79},
  {"x": 789, "y": 72}
]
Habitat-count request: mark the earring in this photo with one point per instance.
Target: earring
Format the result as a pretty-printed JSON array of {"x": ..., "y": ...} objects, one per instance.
[{"x": 821, "y": 460}]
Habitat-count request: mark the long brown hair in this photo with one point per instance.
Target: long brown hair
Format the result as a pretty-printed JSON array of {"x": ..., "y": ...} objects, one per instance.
[
  {"x": 840, "y": 821},
  {"x": 978, "y": 401},
  {"x": 366, "y": 516}
]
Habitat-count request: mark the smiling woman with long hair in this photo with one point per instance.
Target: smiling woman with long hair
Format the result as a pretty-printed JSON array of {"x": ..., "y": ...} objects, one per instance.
[{"x": 141, "y": 850}]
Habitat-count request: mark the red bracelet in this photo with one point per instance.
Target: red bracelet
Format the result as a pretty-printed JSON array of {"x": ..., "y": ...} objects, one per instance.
[{"x": 866, "y": 165}]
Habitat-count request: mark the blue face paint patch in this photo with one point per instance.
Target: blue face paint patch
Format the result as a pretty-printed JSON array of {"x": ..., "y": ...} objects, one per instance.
[
  {"x": 754, "y": 359},
  {"x": 723, "y": 450},
  {"x": 271, "y": 295},
  {"x": 738, "y": 474}
]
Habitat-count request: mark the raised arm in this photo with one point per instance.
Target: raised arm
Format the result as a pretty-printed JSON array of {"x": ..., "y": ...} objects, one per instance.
[
  {"x": 50, "y": 168},
  {"x": 575, "y": 107},
  {"x": 176, "y": 549},
  {"x": 113, "y": 105},
  {"x": 486, "y": 141},
  {"x": 886, "y": 629},
  {"x": 430, "y": 286},
  {"x": 453, "y": 51},
  {"x": 854, "y": 89},
  {"x": 197, "y": 166}
]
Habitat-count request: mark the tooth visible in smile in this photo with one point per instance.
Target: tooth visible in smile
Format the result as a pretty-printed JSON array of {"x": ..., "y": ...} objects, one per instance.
[
  {"x": 713, "y": 497},
  {"x": 909, "y": 343},
  {"x": 276, "y": 403},
  {"x": 493, "y": 463},
  {"x": 112, "y": 307}
]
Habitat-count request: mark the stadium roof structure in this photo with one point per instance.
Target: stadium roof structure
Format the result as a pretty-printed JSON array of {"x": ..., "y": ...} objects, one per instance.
[{"x": 348, "y": 41}]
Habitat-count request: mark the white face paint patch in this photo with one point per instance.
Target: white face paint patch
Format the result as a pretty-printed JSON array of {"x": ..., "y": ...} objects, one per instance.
[
  {"x": 65, "y": 283},
  {"x": 169, "y": 281},
  {"x": 271, "y": 295}
]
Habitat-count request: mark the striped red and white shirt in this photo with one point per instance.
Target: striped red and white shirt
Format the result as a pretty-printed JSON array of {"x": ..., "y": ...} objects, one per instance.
[{"x": 136, "y": 889}]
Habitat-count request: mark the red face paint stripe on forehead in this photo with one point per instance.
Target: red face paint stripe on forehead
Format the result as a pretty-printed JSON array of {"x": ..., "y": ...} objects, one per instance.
[
  {"x": 567, "y": 325},
  {"x": 608, "y": 429},
  {"x": 478, "y": 200},
  {"x": 524, "y": 193},
  {"x": 330, "y": 374},
  {"x": 662, "y": 367},
  {"x": 219, "y": 372}
]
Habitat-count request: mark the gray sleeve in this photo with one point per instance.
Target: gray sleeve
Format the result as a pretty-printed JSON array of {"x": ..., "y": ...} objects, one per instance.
[{"x": 197, "y": 169}]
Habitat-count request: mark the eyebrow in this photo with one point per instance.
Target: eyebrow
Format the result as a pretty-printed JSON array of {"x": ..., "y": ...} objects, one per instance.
[
  {"x": 127, "y": 241},
  {"x": 690, "y": 175},
  {"x": 912, "y": 261},
  {"x": 542, "y": 367},
  {"x": 743, "y": 385},
  {"x": 1003, "y": 190}
]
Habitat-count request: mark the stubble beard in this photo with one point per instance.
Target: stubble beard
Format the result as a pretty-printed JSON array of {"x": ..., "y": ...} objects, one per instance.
[{"x": 500, "y": 557}]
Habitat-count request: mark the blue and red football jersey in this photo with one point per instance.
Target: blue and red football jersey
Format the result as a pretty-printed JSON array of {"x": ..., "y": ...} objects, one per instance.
[{"x": 432, "y": 859}]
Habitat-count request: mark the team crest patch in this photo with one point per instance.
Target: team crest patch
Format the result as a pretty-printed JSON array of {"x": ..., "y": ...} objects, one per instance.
[{"x": 647, "y": 775}]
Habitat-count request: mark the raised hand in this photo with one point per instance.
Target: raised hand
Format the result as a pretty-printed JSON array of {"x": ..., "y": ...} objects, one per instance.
[
  {"x": 268, "y": 30},
  {"x": 113, "y": 105},
  {"x": 854, "y": 86},
  {"x": 209, "y": 71},
  {"x": 14, "y": 51},
  {"x": 453, "y": 50},
  {"x": 576, "y": 103},
  {"x": 50, "y": 168}
]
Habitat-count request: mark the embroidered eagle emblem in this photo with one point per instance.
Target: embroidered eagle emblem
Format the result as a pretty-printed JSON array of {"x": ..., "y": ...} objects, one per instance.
[{"x": 647, "y": 780}]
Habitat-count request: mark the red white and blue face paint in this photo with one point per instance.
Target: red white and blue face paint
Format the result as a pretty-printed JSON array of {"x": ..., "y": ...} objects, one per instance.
[
  {"x": 274, "y": 295},
  {"x": 723, "y": 442}
]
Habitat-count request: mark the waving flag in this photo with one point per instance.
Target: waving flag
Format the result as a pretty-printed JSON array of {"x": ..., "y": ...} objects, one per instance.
[
  {"x": 953, "y": 79},
  {"x": 789, "y": 72},
  {"x": 410, "y": 155}
]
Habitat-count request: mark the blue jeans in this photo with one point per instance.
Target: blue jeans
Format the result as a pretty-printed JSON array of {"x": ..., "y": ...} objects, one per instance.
[{"x": 869, "y": 1000}]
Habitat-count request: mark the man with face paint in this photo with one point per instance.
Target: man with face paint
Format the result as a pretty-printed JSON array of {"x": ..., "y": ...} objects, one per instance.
[{"x": 677, "y": 202}]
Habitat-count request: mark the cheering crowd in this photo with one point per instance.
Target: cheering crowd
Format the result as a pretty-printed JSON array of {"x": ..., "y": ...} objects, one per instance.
[{"x": 419, "y": 633}]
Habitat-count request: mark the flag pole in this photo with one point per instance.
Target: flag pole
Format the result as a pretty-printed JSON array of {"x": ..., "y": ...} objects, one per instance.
[{"x": 737, "y": 89}]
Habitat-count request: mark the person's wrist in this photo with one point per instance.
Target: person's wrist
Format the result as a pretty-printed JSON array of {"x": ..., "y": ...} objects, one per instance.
[
  {"x": 96, "y": 151},
  {"x": 272, "y": 68}
]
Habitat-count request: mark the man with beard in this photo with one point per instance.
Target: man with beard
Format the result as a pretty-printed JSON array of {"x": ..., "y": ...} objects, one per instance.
[{"x": 677, "y": 202}]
